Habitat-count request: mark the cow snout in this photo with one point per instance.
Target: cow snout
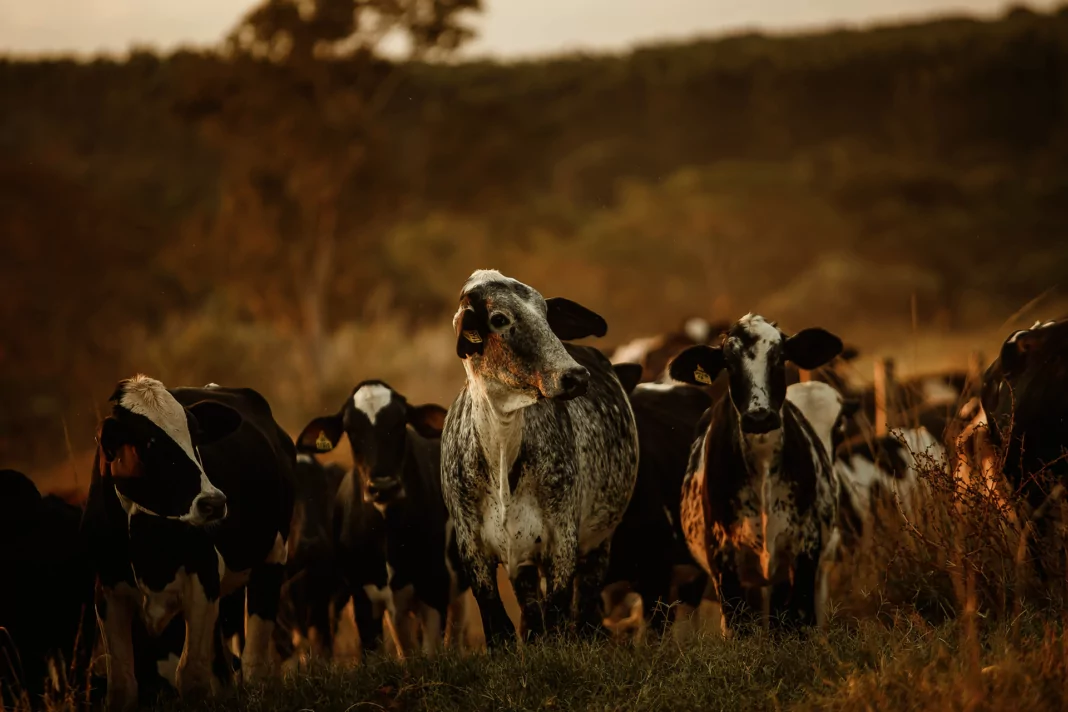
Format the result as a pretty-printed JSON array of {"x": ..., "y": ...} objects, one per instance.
[
  {"x": 211, "y": 507},
  {"x": 760, "y": 421},
  {"x": 384, "y": 489},
  {"x": 573, "y": 383}
]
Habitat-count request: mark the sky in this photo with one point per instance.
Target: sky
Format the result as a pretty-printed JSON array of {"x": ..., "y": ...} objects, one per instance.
[{"x": 507, "y": 28}]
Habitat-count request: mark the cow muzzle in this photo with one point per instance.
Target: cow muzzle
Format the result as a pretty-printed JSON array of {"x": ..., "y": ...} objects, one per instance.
[
  {"x": 382, "y": 490},
  {"x": 760, "y": 421},
  {"x": 210, "y": 508},
  {"x": 569, "y": 384}
]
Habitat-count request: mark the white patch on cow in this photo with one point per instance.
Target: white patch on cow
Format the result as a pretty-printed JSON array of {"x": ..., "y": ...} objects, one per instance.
[
  {"x": 213, "y": 385},
  {"x": 635, "y": 351},
  {"x": 483, "y": 276},
  {"x": 658, "y": 387},
  {"x": 372, "y": 398},
  {"x": 403, "y": 615},
  {"x": 279, "y": 552},
  {"x": 823, "y": 586},
  {"x": 381, "y": 599},
  {"x": 305, "y": 459},
  {"x": 160, "y": 607},
  {"x": 193, "y": 675},
  {"x": 698, "y": 329},
  {"x": 756, "y": 367},
  {"x": 168, "y": 669},
  {"x": 149, "y": 398},
  {"x": 515, "y": 532},
  {"x": 764, "y": 531},
  {"x": 821, "y": 405},
  {"x": 937, "y": 392}
]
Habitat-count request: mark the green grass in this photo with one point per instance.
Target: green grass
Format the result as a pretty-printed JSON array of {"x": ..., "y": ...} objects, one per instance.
[{"x": 906, "y": 665}]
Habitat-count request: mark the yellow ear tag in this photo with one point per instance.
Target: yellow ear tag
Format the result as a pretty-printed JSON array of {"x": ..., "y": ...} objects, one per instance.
[
  {"x": 701, "y": 376},
  {"x": 323, "y": 443},
  {"x": 473, "y": 337}
]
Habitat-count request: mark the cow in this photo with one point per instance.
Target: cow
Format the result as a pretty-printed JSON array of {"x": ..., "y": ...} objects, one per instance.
[
  {"x": 883, "y": 471},
  {"x": 394, "y": 532},
  {"x": 759, "y": 500},
  {"x": 649, "y": 553},
  {"x": 191, "y": 498},
  {"x": 313, "y": 582},
  {"x": 539, "y": 456},
  {"x": 46, "y": 598},
  {"x": 1024, "y": 405},
  {"x": 652, "y": 353}
]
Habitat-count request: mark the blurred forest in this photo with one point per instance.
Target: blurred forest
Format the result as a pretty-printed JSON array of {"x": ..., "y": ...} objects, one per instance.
[{"x": 293, "y": 212}]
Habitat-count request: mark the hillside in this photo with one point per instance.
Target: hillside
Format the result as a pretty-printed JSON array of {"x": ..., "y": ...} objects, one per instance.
[{"x": 299, "y": 228}]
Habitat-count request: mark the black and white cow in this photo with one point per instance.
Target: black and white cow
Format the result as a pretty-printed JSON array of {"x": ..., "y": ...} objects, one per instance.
[
  {"x": 392, "y": 523},
  {"x": 759, "y": 502},
  {"x": 46, "y": 594},
  {"x": 313, "y": 580},
  {"x": 649, "y": 553},
  {"x": 883, "y": 471},
  {"x": 539, "y": 455},
  {"x": 653, "y": 353},
  {"x": 165, "y": 538}
]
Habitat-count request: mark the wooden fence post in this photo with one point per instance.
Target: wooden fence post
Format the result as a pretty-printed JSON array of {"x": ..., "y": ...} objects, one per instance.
[{"x": 884, "y": 395}]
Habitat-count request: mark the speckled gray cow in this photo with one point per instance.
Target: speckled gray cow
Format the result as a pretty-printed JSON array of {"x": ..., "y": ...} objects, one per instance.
[{"x": 539, "y": 455}]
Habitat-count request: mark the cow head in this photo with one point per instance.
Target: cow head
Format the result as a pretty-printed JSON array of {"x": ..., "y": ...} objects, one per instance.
[
  {"x": 754, "y": 355},
  {"x": 148, "y": 451},
  {"x": 1026, "y": 383},
  {"x": 376, "y": 418},
  {"x": 510, "y": 339}
]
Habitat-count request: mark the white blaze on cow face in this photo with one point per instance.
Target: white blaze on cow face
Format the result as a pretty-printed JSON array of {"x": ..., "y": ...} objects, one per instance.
[
  {"x": 755, "y": 348},
  {"x": 372, "y": 398}
]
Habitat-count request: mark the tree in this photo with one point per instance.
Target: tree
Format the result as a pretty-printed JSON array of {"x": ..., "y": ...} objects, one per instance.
[{"x": 296, "y": 120}]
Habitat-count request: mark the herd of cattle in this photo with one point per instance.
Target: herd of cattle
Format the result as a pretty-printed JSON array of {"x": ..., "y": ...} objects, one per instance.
[{"x": 731, "y": 462}]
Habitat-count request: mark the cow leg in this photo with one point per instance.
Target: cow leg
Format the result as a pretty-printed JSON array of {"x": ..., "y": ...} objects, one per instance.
[
  {"x": 803, "y": 602},
  {"x": 116, "y": 608},
  {"x": 403, "y": 614},
  {"x": 737, "y": 602},
  {"x": 431, "y": 620},
  {"x": 368, "y": 621},
  {"x": 688, "y": 594},
  {"x": 590, "y": 574},
  {"x": 263, "y": 591},
  {"x": 457, "y": 623},
  {"x": 201, "y": 612},
  {"x": 496, "y": 625},
  {"x": 527, "y": 587}
]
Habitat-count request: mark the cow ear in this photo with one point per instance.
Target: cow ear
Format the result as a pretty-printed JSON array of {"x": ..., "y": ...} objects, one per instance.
[
  {"x": 849, "y": 353},
  {"x": 112, "y": 438},
  {"x": 812, "y": 348},
  {"x": 629, "y": 375},
  {"x": 850, "y": 407},
  {"x": 471, "y": 332},
  {"x": 428, "y": 420},
  {"x": 697, "y": 365},
  {"x": 1014, "y": 350},
  {"x": 215, "y": 420},
  {"x": 571, "y": 321},
  {"x": 321, "y": 435}
]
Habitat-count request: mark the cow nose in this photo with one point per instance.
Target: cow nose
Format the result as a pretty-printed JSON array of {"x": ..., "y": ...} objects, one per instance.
[
  {"x": 211, "y": 507},
  {"x": 574, "y": 383},
  {"x": 760, "y": 421}
]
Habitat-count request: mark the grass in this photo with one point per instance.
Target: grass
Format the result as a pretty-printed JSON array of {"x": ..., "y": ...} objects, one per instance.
[{"x": 907, "y": 665}]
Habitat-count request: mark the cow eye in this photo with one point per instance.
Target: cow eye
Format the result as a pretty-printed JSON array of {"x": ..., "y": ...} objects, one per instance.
[{"x": 499, "y": 321}]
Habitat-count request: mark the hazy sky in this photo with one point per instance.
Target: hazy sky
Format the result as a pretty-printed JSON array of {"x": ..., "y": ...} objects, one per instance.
[{"x": 508, "y": 27}]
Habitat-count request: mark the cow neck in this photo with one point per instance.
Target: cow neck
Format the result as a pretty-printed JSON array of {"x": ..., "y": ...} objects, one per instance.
[
  {"x": 759, "y": 451},
  {"x": 500, "y": 432}
]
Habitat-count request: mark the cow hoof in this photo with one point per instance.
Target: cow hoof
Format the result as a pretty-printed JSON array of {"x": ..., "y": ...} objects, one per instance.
[{"x": 193, "y": 684}]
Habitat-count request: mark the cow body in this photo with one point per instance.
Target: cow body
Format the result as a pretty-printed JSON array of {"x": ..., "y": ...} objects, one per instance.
[
  {"x": 313, "y": 582},
  {"x": 391, "y": 524},
  {"x": 759, "y": 501},
  {"x": 653, "y": 353},
  {"x": 47, "y": 598},
  {"x": 166, "y": 538},
  {"x": 649, "y": 549},
  {"x": 539, "y": 455}
]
